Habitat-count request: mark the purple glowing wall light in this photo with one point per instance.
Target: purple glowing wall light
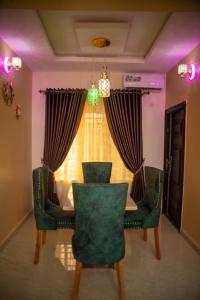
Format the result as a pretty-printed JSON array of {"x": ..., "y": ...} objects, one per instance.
[
  {"x": 192, "y": 72},
  {"x": 7, "y": 64}
]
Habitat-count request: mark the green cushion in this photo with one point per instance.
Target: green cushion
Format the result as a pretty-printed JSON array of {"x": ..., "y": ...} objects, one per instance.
[
  {"x": 96, "y": 172},
  {"x": 99, "y": 226}
]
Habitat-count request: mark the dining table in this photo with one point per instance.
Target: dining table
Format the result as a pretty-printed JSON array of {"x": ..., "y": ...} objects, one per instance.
[{"x": 130, "y": 204}]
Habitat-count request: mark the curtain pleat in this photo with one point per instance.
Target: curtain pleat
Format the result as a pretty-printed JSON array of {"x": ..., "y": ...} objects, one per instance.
[
  {"x": 64, "y": 108},
  {"x": 124, "y": 115}
]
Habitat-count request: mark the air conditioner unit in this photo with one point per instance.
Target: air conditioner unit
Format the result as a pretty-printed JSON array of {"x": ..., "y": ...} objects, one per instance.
[{"x": 144, "y": 80}]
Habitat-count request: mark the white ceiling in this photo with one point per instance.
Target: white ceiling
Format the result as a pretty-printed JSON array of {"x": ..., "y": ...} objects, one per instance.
[{"x": 61, "y": 40}]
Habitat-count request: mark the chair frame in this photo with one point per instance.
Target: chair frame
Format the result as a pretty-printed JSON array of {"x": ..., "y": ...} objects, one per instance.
[
  {"x": 118, "y": 267},
  {"x": 40, "y": 241},
  {"x": 139, "y": 225},
  {"x": 156, "y": 241},
  {"x": 46, "y": 220}
]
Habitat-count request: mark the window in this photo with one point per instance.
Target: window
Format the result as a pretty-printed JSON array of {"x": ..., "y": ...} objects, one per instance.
[{"x": 93, "y": 142}]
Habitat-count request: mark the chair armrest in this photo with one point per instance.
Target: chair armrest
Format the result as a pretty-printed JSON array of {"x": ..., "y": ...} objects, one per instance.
[
  {"x": 152, "y": 219},
  {"x": 43, "y": 220},
  {"x": 141, "y": 203},
  {"x": 51, "y": 205}
]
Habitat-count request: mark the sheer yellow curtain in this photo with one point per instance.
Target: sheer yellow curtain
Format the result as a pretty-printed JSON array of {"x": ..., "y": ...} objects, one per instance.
[{"x": 93, "y": 142}]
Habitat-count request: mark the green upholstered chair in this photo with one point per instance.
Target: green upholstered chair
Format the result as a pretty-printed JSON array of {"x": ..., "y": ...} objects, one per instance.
[
  {"x": 96, "y": 172},
  {"x": 48, "y": 216},
  {"x": 148, "y": 213},
  {"x": 99, "y": 229}
]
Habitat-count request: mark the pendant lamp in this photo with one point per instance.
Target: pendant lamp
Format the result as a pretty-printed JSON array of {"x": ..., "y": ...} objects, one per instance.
[
  {"x": 104, "y": 82},
  {"x": 93, "y": 95}
]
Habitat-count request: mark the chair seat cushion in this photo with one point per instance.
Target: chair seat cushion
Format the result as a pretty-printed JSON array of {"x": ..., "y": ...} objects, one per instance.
[
  {"x": 64, "y": 219},
  {"x": 135, "y": 218}
]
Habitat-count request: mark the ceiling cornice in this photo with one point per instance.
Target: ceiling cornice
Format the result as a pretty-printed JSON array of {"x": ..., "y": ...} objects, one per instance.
[{"x": 104, "y": 5}]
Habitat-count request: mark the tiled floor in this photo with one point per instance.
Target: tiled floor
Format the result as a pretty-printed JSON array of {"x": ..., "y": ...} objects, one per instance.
[{"x": 175, "y": 277}]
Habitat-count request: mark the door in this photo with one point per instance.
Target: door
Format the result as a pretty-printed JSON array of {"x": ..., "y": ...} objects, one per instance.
[{"x": 174, "y": 163}]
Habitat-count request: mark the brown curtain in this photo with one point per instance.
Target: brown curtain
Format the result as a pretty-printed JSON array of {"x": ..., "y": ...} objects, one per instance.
[
  {"x": 124, "y": 115},
  {"x": 64, "y": 108}
]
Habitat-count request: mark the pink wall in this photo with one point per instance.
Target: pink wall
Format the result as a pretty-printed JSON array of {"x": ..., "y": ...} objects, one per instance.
[
  {"x": 15, "y": 151},
  {"x": 178, "y": 90},
  {"x": 153, "y": 112},
  {"x": 153, "y": 107}
]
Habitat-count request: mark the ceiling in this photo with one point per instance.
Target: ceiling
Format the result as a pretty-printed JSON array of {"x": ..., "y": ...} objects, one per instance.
[{"x": 60, "y": 40}]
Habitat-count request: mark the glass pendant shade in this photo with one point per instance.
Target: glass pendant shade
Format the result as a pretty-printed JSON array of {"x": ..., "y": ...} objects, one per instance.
[
  {"x": 104, "y": 85},
  {"x": 93, "y": 95}
]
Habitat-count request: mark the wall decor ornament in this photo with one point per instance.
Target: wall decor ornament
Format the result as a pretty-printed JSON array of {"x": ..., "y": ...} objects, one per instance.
[
  {"x": 7, "y": 92},
  {"x": 18, "y": 111}
]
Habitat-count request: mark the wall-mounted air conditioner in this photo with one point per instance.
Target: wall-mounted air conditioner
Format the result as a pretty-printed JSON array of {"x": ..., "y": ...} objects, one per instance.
[{"x": 144, "y": 80}]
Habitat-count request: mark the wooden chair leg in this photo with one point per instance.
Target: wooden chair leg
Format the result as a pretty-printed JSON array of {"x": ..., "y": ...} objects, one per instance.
[
  {"x": 76, "y": 282},
  {"x": 157, "y": 243},
  {"x": 145, "y": 234},
  {"x": 37, "y": 246},
  {"x": 44, "y": 237},
  {"x": 118, "y": 268}
]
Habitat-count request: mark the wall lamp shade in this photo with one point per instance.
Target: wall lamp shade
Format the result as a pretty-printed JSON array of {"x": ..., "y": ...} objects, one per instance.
[
  {"x": 14, "y": 63},
  {"x": 182, "y": 70},
  {"x": 189, "y": 71},
  {"x": 93, "y": 95}
]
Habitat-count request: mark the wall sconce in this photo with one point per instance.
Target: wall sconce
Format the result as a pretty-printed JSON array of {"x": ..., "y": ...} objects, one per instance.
[
  {"x": 14, "y": 63},
  {"x": 187, "y": 71}
]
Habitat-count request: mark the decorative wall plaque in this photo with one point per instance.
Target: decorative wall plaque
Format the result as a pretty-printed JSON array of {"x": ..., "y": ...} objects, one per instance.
[{"x": 7, "y": 92}]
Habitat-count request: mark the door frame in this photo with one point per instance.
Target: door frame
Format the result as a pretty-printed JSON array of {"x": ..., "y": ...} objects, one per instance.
[{"x": 175, "y": 108}]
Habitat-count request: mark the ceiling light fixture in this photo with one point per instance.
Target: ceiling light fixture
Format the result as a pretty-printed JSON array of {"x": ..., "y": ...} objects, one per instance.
[
  {"x": 104, "y": 82},
  {"x": 93, "y": 95},
  {"x": 93, "y": 92}
]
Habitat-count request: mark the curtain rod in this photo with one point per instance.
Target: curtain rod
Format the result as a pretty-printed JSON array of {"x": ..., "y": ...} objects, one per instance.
[
  {"x": 137, "y": 91},
  {"x": 60, "y": 90},
  {"x": 115, "y": 91}
]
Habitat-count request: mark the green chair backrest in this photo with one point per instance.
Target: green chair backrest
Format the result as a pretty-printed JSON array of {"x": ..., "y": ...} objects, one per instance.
[
  {"x": 97, "y": 172},
  {"x": 40, "y": 187},
  {"x": 99, "y": 222},
  {"x": 153, "y": 187}
]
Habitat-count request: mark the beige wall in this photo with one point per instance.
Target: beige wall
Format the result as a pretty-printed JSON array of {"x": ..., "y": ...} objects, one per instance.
[
  {"x": 153, "y": 112},
  {"x": 15, "y": 151},
  {"x": 178, "y": 90}
]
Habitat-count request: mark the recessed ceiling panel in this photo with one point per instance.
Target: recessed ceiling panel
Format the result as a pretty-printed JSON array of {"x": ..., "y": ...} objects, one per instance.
[
  {"x": 116, "y": 32},
  {"x": 145, "y": 28},
  {"x": 58, "y": 26}
]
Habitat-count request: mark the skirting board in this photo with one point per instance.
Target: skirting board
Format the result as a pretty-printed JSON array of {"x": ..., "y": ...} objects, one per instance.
[
  {"x": 194, "y": 245},
  {"x": 6, "y": 239}
]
